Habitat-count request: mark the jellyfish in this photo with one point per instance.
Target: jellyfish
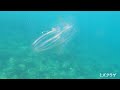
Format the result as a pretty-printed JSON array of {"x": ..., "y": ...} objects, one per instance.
[{"x": 56, "y": 36}]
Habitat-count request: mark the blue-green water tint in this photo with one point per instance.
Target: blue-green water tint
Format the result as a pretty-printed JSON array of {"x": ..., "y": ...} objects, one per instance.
[{"x": 93, "y": 49}]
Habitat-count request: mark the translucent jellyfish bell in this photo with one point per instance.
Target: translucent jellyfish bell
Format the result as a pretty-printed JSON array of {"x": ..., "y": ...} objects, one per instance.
[{"x": 54, "y": 37}]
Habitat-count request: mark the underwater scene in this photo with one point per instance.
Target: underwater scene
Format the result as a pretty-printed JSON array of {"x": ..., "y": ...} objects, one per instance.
[{"x": 59, "y": 44}]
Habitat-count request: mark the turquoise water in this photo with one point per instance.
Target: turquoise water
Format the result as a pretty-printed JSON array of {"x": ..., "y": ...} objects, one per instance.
[{"x": 93, "y": 48}]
